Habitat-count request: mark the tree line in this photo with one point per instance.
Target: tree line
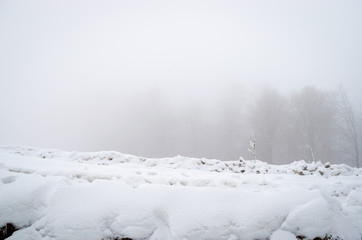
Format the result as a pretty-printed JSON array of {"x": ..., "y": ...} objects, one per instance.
[{"x": 309, "y": 124}]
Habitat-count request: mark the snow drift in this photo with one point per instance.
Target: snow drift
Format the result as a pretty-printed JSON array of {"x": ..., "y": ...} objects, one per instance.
[{"x": 52, "y": 194}]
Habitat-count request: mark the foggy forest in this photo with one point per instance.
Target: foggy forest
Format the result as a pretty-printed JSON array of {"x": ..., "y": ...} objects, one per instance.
[
  {"x": 309, "y": 124},
  {"x": 180, "y": 120},
  {"x": 196, "y": 80}
]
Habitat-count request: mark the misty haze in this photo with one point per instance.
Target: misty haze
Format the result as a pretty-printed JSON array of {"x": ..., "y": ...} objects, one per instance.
[{"x": 228, "y": 102}]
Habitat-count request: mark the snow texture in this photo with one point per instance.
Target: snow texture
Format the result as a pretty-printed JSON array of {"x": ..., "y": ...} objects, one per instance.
[{"x": 52, "y": 194}]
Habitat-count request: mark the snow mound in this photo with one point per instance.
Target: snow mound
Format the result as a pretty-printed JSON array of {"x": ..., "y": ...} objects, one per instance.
[
  {"x": 282, "y": 235},
  {"x": 51, "y": 194},
  {"x": 211, "y": 165}
]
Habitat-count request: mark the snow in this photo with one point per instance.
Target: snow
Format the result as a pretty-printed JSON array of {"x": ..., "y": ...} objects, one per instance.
[
  {"x": 314, "y": 215},
  {"x": 282, "y": 235},
  {"x": 52, "y": 194}
]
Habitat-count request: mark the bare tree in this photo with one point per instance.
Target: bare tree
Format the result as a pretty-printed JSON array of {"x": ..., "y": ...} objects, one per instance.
[
  {"x": 252, "y": 148},
  {"x": 314, "y": 117},
  {"x": 348, "y": 122},
  {"x": 266, "y": 117}
]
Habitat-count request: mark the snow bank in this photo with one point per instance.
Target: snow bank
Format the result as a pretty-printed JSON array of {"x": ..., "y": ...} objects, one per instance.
[
  {"x": 51, "y": 194},
  {"x": 179, "y": 162}
]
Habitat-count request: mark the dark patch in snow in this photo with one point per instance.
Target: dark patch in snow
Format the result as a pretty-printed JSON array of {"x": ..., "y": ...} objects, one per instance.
[
  {"x": 327, "y": 237},
  {"x": 117, "y": 238},
  {"x": 7, "y": 230}
]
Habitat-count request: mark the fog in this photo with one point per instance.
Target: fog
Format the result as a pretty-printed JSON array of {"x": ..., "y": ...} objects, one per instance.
[{"x": 195, "y": 78}]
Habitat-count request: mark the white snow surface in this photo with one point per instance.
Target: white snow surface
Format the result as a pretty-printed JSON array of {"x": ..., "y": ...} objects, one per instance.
[{"x": 52, "y": 194}]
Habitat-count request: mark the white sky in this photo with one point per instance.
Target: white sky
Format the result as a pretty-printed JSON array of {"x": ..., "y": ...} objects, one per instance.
[{"x": 60, "y": 58}]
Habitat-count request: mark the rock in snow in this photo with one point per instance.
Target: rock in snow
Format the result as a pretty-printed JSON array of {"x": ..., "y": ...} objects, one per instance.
[{"x": 52, "y": 194}]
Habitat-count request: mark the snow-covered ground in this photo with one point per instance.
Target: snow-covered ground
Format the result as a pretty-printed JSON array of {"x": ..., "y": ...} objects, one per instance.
[{"x": 52, "y": 194}]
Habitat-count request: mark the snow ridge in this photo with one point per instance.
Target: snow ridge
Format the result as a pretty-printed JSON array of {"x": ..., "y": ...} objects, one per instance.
[
  {"x": 52, "y": 194},
  {"x": 179, "y": 162}
]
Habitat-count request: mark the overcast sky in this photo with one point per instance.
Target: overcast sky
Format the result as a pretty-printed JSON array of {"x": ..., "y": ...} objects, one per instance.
[{"x": 70, "y": 69}]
